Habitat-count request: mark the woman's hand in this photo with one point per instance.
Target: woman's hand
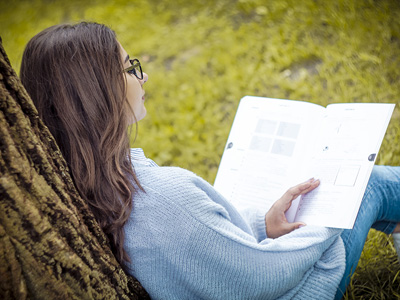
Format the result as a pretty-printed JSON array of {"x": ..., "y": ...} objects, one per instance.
[{"x": 275, "y": 219}]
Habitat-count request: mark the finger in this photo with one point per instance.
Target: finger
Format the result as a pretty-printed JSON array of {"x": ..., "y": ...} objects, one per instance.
[
  {"x": 303, "y": 188},
  {"x": 313, "y": 185},
  {"x": 300, "y": 189},
  {"x": 298, "y": 225},
  {"x": 289, "y": 227},
  {"x": 297, "y": 189}
]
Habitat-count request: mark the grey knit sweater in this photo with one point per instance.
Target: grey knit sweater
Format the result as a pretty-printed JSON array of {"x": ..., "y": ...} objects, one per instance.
[{"x": 187, "y": 242}]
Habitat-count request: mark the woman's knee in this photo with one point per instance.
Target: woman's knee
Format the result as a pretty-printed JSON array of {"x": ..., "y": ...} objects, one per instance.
[
  {"x": 385, "y": 174},
  {"x": 383, "y": 192}
]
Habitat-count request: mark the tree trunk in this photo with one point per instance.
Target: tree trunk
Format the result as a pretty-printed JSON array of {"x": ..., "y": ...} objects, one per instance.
[{"x": 51, "y": 246}]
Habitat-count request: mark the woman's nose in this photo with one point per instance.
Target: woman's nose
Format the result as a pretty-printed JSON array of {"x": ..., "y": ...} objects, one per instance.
[{"x": 145, "y": 78}]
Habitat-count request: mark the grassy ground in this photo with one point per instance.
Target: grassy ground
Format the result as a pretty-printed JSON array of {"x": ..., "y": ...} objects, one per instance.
[{"x": 203, "y": 56}]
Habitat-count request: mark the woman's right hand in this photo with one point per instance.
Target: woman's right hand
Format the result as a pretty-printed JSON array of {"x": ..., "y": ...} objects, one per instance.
[{"x": 275, "y": 219}]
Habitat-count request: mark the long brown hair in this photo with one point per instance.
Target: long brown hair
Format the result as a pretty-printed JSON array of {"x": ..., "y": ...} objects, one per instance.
[{"x": 74, "y": 76}]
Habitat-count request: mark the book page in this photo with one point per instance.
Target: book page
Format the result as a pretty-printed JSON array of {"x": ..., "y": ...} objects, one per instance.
[
  {"x": 267, "y": 147},
  {"x": 345, "y": 152}
]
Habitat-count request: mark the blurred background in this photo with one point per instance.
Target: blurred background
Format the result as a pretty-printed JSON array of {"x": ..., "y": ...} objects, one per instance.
[{"x": 202, "y": 57}]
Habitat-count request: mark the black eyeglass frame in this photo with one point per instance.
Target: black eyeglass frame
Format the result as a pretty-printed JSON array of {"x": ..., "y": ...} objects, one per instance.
[{"x": 135, "y": 68}]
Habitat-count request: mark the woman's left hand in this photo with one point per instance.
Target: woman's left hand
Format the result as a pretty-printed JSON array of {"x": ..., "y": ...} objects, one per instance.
[{"x": 275, "y": 219}]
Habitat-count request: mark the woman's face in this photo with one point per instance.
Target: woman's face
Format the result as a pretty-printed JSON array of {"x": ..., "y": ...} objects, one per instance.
[{"x": 134, "y": 89}]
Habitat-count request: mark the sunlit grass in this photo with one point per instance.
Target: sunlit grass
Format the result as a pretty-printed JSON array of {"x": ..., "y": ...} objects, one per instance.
[{"x": 203, "y": 56}]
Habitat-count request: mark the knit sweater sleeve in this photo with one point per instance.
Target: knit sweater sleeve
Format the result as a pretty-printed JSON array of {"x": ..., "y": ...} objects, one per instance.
[
  {"x": 256, "y": 220},
  {"x": 186, "y": 242}
]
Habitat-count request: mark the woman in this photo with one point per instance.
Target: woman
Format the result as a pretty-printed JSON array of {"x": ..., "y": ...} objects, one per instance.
[{"x": 168, "y": 227}]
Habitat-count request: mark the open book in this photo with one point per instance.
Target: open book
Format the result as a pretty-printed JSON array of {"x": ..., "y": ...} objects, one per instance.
[{"x": 275, "y": 144}]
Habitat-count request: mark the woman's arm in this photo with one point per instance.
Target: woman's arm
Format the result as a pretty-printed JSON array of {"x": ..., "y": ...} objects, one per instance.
[{"x": 186, "y": 241}]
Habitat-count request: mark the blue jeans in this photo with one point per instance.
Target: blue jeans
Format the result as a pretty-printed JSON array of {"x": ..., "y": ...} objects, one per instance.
[{"x": 380, "y": 209}]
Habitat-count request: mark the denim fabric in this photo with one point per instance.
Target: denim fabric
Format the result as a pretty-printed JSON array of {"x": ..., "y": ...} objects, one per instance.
[{"x": 380, "y": 209}]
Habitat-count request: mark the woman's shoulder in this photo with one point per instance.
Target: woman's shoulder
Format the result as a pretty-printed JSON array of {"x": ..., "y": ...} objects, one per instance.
[
  {"x": 148, "y": 172},
  {"x": 138, "y": 159},
  {"x": 167, "y": 178},
  {"x": 180, "y": 188}
]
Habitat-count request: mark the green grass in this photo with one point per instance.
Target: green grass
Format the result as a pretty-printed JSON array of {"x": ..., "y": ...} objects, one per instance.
[{"x": 203, "y": 56}]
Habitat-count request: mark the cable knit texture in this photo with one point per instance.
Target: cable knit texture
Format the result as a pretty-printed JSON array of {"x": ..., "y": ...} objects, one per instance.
[{"x": 187, "y": 242}]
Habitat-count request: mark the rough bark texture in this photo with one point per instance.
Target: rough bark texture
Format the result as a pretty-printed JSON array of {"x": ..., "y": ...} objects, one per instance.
[{"x": 50, "y": 244}]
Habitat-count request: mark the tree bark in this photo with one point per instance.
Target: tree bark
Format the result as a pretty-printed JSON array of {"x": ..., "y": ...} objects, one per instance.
[{"x": 51, "y": 246}]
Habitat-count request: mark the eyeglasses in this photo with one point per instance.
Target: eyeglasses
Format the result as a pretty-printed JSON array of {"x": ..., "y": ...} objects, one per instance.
[{"x": 135, "y": 68}]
